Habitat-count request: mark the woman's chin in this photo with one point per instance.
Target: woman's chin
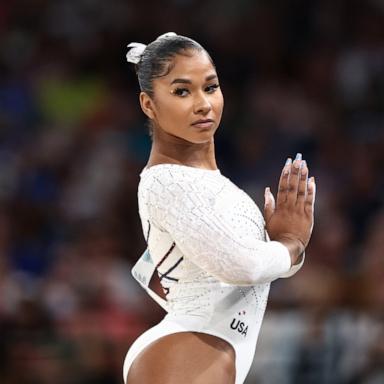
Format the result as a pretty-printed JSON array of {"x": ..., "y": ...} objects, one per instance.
[
  {"x": 203, "y": 137},
  {"x": 202, "y": 140}
]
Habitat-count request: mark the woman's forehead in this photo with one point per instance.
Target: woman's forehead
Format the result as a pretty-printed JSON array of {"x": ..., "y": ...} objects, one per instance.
[{"x": 194, "y": 64}]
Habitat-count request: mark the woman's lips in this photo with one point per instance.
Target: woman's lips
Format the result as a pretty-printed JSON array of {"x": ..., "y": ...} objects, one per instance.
[{"x": 203, "y": 123}]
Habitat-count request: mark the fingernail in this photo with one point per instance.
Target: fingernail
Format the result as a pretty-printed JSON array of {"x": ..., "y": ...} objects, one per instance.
[
  {"x": 299, "y": 156},
  {"x": 303, "y": 164},
  {"x": 289, "y": 161},
  {"x": 266, "y": 193}
]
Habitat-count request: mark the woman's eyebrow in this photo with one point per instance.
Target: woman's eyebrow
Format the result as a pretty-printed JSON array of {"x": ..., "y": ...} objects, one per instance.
[
  {"x": 183, "y": 81},
  {"x": 211, "y": 77},
  {"x": 187, "y": 81}
]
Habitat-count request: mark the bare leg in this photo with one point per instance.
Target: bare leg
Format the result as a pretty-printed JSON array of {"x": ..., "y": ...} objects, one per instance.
[{"x": 187, "y": 357}]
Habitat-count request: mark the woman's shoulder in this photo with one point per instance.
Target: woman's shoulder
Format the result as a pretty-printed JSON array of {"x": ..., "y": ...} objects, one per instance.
[
  {"x": 177, "y": 177},
  {"x": 169, "y": 173}
]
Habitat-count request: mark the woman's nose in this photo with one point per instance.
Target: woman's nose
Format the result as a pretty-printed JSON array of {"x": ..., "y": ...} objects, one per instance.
[{"x": 202, "y": 105}]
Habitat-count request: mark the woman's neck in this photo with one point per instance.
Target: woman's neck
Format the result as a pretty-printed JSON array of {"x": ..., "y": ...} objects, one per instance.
[{"x": 174, "y": 150}]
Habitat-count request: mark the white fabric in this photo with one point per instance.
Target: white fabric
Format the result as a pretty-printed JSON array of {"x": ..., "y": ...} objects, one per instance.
[
  {"x": 207, "y": 238},
  {"x": 137, "y": 49},
  {"x": 135, "y": 52}
]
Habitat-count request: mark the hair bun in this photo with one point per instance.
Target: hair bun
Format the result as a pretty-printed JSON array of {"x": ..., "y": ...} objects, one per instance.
[
  {"x": 165, "y": 35},
  {"x": 135, "y": 53}
]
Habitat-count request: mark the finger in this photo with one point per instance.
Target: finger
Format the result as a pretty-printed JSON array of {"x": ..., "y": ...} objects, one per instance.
[
  {"x": 303, "y": 182},
  {"x": 269, "y": 205},
  {"x": 283, "y": 183},
  {"x": 311, "y": 196},
  {"x": 293, "y": 182}
]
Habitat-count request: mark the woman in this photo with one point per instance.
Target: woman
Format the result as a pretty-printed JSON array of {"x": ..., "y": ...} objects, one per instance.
[{"x": 206, "y": 238}]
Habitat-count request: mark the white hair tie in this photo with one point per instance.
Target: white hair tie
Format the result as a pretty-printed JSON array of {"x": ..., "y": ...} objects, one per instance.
[
  {"x": 137, "y": 49},
  {"x": 135, "y": 53}
]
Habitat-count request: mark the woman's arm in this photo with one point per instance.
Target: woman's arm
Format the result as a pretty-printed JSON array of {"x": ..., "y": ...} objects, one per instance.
[{"x": 185, "y": 209}]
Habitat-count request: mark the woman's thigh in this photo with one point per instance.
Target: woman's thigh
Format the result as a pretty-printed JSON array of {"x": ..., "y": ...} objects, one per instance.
[{"x": 186, "y": 357}]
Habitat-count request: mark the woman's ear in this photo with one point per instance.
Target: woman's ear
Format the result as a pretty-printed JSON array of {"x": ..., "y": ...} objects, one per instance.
[{"x": 147, "y": 105}]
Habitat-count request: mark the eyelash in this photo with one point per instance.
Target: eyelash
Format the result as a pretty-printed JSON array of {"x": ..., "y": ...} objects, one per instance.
[{"x": 210, "y": 89}]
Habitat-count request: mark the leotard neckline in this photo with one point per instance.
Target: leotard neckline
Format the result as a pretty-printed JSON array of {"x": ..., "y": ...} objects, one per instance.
[{"x": 170, "y": 165}]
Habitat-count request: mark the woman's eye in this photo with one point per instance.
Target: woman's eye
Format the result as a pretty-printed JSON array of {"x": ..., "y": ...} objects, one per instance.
[
  {"x": 180, "y": 92},
  {"x": 212, "y": 88}
]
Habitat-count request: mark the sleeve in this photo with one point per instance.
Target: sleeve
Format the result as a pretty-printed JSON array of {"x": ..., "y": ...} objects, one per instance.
[
  {"x": 294, "y": 268},
  {"x": 186, "y": 210}
]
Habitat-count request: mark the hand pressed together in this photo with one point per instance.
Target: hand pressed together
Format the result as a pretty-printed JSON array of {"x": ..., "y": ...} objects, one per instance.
[{"x": 289, "y": 220}]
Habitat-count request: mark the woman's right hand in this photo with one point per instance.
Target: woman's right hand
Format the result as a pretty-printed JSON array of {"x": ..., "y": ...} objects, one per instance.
[{"x": 290, "y": 219}]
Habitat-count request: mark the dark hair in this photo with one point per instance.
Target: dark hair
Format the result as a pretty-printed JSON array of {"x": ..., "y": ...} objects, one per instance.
[{"x": 156, "y": 59}]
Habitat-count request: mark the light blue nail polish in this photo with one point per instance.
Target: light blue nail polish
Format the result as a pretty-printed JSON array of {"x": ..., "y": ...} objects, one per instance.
[
  {"x": 298, "y": 156},
  {"x": 289, "y": 161},
  {"x": 303, "y": 164}
]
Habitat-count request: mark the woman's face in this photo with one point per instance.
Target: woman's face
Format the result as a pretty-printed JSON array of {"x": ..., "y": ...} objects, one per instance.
[{"x": 188, "y": 102}]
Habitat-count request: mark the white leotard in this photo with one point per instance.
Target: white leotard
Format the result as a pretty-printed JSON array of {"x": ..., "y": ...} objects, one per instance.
[{"x": 207, "y": 241}]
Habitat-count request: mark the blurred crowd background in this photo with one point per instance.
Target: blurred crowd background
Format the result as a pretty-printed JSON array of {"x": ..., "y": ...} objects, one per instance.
[{"x": 297, "y": 76}]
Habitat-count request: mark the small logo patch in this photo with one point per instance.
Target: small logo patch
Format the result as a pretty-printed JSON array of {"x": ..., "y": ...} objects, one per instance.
[{"x": 240, "y": 326}]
